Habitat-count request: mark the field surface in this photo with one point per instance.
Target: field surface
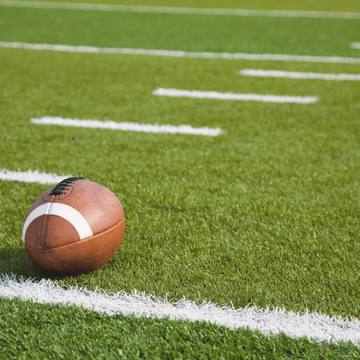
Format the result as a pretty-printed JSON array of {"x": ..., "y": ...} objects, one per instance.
[
  {"x": 265, "y": 213},
  {"x": 304, "y": 5}
]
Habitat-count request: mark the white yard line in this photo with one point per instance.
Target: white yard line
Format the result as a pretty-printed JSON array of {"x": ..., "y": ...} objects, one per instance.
[
  {"x": 179, "y": 53},
  {"x": 299, "y": 75},
  {"x": 176, "y": 53},
  {"x": 232, "y": 96},
  {"x": 31, "y": 176},
  {"x": 355, "y": 45},
  {"x": 125, "y": 126},
  {"x": 183, "y": 10},
  {"x": 312, "y": 325}
]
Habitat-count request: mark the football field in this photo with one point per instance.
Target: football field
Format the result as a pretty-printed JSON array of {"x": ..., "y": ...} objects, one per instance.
[{"x": 231, "y": 136}]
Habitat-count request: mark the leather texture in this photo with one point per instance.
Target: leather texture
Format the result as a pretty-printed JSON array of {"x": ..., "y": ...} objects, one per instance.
[
  {"x": 82, "y": 256},
  {"x": 54, "y": 244}
]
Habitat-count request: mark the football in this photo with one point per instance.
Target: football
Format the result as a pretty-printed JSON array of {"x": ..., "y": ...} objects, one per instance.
[{"x": 74, "y": 227}]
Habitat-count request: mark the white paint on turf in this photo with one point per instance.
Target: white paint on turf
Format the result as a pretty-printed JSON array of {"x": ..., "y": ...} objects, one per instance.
[
  {"x": 179, "y": 53},
  {"x": 299, "y": 75},
  {"x": 355, "y": 45},
  {"x": 31, "y": 176},
  {"x": 74, "y": 217},
  {"x": 232, "y": 96},
  {"x": 182, "y": 10},
  {"x": 125, "y": 126},
  {"x": 312, "y": 325}
]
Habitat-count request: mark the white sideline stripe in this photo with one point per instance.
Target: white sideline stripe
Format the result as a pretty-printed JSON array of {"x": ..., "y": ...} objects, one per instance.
[
  {"x": 179, "y": 53},
  {"x": 355, "y": 45},
  {"x": 183, "y": 10},
  {"x": 112, "y": 125},
  {"x": 232, "y": 96},
  {"x": 31, "y": 176},
  {"x": 312, "y": 325},
  {"x": 299, "y": 75},
  {"x": 67, "y": 212}
]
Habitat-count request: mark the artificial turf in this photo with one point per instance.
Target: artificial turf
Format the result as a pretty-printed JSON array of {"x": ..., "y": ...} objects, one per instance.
[
  {"x": 31, "y": 331},
  {"x": 274, "y": 35},
  {"x": 265, "y": 214},
  {"x": 304, "y": 5}
]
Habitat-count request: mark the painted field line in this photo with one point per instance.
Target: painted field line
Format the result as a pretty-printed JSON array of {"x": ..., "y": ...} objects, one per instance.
[
  {"x": 355, "y": 45},
  {"x": 31, "y": 176},
  {"x": 125, "y": 126},
  {"x": 179, "y": 53},
  {"x": 312, "y": 325},
  {"x": 299, "y": 75},
  {"x": 183, "y": 10},
  {"x": 232, "y": 96}
]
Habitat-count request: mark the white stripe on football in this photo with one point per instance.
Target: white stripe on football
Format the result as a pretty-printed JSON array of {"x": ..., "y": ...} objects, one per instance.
[{"x": 66, "y": 212}]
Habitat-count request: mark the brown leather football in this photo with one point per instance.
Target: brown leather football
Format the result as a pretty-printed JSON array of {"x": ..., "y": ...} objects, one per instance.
[{"x": 74, "y": 227}]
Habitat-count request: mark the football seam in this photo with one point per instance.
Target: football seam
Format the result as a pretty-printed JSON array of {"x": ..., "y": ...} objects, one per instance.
[
  {"x": 43, "y": 240},
  {"x": 48, "y": 260},
  {"x": 78, "y": 242}
]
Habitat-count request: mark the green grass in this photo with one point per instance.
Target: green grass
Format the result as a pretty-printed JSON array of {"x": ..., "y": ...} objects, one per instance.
[
  {"x": 309, "y": 5},
  {"x": 266, "y": 214},
  {"x": 297, "y": 36},
  {"x": 64, "y": 332}
]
